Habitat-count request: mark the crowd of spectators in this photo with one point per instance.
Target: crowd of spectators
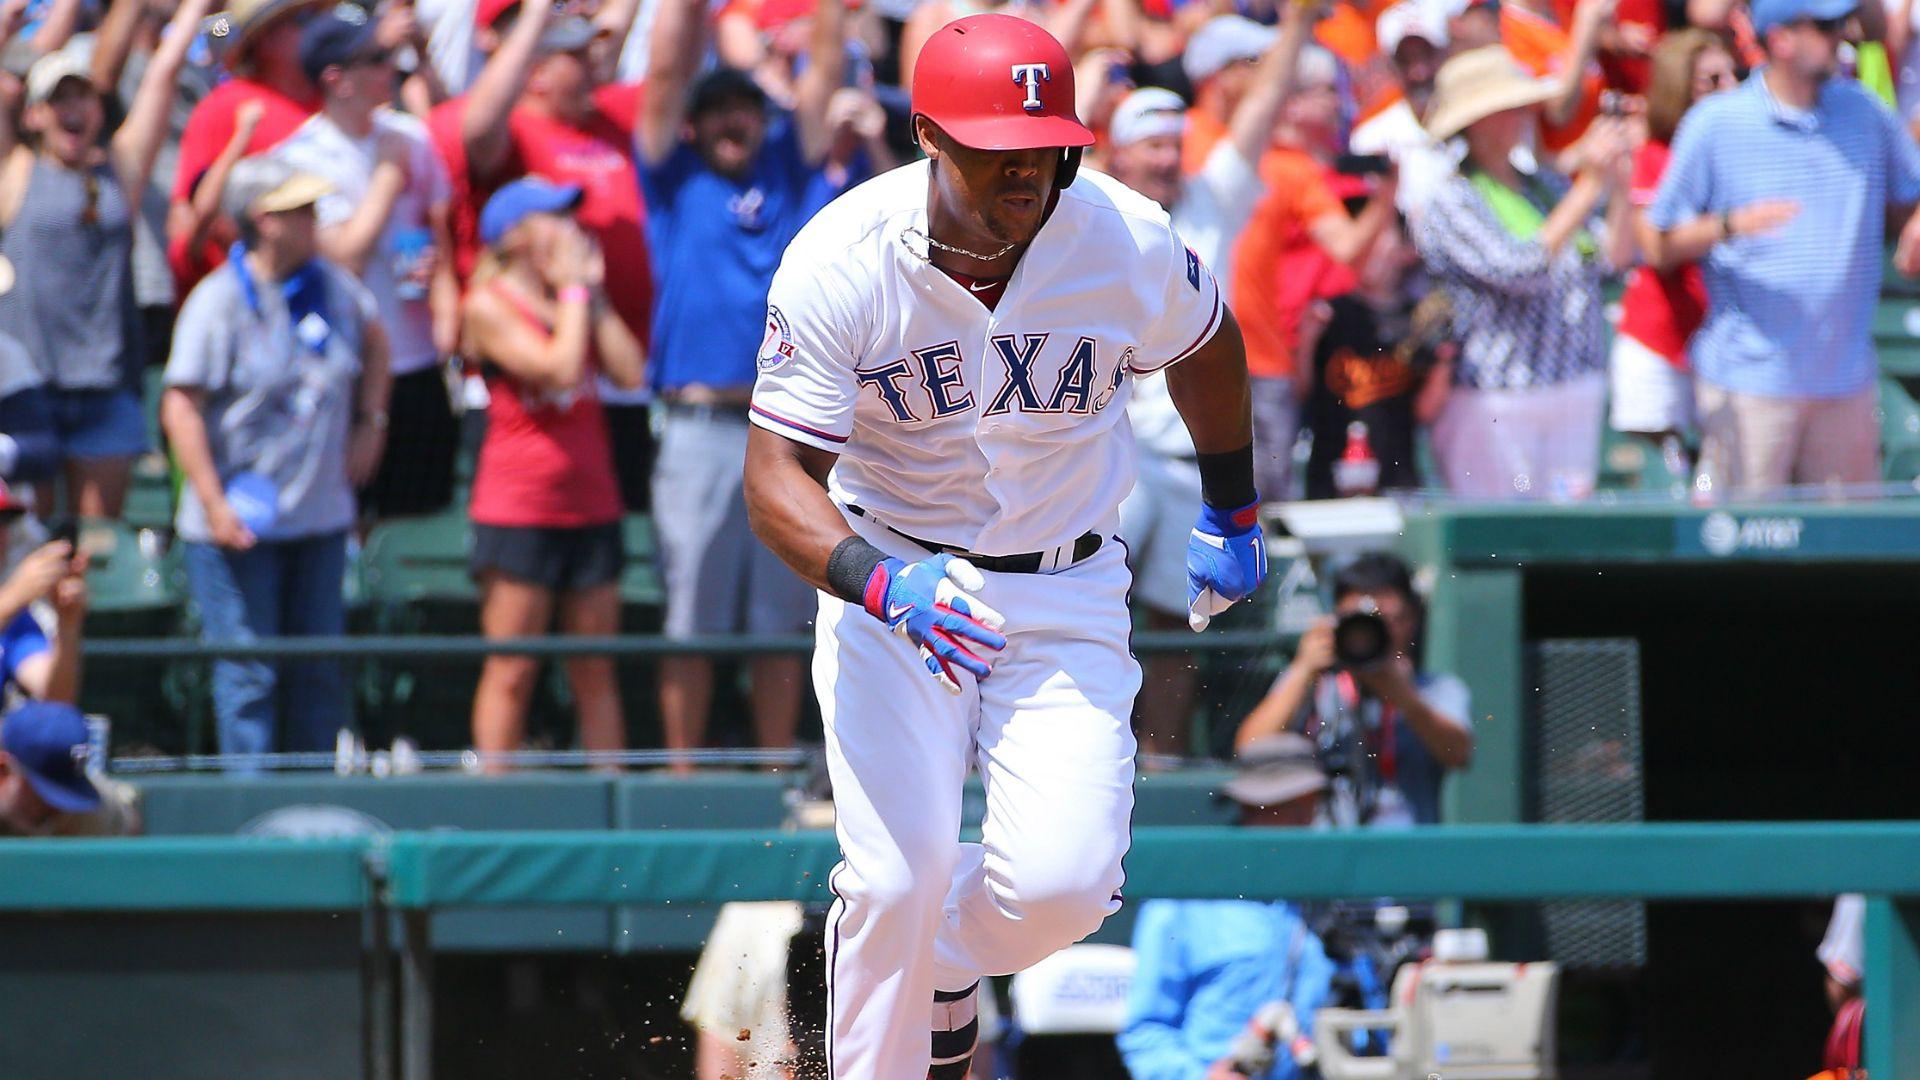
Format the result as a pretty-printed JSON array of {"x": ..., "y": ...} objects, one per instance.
[{"x": 338, "y": 227}]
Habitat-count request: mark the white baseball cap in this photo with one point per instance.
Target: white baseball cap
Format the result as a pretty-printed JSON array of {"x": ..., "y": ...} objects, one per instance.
[
  {"x": 1316, "y": 67},
  {"x": 48, "y": 72},
  {"x": 1411, "y": 18},
  {"x": 1145, "y": 113},
  {"x": 1223, "y": 40}
]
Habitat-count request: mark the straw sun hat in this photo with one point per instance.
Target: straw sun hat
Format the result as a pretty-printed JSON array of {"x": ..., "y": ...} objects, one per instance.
[{"x": 1477, "y": 84}]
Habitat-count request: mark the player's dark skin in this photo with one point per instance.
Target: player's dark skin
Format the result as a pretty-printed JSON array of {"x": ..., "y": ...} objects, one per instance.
[{"x": 981, "y": 200}]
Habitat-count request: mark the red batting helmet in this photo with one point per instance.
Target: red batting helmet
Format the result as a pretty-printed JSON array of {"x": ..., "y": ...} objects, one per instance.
[{"x": 997, "y": 82}]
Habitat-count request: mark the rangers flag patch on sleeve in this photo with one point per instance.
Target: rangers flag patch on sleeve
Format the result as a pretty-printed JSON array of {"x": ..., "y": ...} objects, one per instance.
[
  {"x": 777, "y": 347},
  {"x": 1193, "y": 270}
]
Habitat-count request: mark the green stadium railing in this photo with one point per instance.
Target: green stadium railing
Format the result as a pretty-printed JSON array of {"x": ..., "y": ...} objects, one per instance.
[
  {"x": 439, "y": 646},
  {"x": 416, "y": 874},
  {"x": 1521, "y": 862},
  {"x": 158, "y": 874}
]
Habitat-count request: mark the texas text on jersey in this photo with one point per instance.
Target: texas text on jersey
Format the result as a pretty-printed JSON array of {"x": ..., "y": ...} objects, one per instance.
[{"x": 989, "y": 430}]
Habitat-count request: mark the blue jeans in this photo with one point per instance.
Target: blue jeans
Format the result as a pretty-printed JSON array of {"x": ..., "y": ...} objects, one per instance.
[
  {"x": 26, "y": 416},
  {"x": 277, "y": 588}
]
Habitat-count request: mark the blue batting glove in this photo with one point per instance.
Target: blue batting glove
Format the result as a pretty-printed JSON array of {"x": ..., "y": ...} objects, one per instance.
[
  {"x": 1226, "y": 561},
  {"x": 929, "y": 603}
]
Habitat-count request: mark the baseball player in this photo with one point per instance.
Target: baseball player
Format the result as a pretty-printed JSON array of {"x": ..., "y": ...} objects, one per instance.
[{"x": 940, "y": 446}]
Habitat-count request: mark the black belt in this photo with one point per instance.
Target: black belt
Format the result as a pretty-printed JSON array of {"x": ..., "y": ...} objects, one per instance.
[
  {"x": 1027, "y": 563},
  {"x": 707, "y": 408}
]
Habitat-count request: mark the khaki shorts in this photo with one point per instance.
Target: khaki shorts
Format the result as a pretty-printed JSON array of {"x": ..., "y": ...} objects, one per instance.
[{"x": 1750, "y": 443}]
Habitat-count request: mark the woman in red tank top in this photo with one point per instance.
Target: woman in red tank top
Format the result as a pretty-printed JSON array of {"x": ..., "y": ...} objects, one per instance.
[{"x": 545, "y": 505}]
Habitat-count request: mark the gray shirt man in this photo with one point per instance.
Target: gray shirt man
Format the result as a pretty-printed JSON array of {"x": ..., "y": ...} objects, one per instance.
[{"x": 274, "y": 405}]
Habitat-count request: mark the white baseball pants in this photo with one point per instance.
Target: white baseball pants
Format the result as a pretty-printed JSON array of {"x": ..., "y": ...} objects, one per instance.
[{"x": 1049, "y": 732}]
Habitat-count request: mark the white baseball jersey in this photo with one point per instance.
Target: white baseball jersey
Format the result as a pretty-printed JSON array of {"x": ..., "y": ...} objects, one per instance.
[{"x": 998, "y": 432}]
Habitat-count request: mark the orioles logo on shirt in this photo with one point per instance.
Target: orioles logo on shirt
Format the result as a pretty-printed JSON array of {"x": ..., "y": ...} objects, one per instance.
[
  {"x": 776, "y": 347},
  {"x": 1078, "y": 386}
]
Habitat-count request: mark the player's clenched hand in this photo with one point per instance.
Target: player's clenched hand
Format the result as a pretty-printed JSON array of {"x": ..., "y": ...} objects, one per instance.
[
  {"x": 1226, "y": 561},
  {"x": 929, "y": 604}
]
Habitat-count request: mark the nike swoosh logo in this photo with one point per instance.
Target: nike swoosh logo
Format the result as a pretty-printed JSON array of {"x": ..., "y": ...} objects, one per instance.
[
  {"x": 898, "y": 610},
  {"x": 982, "y": 287}
]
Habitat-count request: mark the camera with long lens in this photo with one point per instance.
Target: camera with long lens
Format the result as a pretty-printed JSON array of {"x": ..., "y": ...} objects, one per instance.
[{"x": 1360, "y": 637}]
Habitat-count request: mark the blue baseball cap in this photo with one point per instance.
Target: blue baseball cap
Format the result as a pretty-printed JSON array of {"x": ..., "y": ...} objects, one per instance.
[
  {"x": 47, "y": 741},
  {"x": 526, "y": 196},
  {"x": 338, "y": 35},
  {"x": 1768, "y": 14}
]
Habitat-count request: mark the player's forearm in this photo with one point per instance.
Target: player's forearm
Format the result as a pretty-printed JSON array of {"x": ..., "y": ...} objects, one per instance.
[
  {"x": 788, "y": 507},
  {"x": 1211, "y": 391}
]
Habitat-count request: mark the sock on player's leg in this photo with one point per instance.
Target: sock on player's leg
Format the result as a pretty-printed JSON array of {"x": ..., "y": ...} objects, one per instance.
[{"x": 956, "y": 1028}]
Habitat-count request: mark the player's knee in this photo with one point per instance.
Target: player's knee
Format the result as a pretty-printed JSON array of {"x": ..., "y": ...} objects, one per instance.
[
  {"x": 1060, "y": 910},
  {"x": 900, "y": 887}
]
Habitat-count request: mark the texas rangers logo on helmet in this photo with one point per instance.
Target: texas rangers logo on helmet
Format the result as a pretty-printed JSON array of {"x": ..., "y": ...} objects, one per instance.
[{"x": 1031, "y": 76}]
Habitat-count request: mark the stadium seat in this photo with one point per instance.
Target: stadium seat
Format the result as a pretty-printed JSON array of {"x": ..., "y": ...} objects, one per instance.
[
  {"x": 1899, "y": 433},
  {"x": 640, "y": 586},
  {"x": 150, "y": 496},
  {"x": 136, "y": 592},
  {"x": 414, "y": 572},
  {"x": 1631, "y": 463},
  {"x": 132, "y": 590},
  {"x": 1896, "y": 336},
  {"x": 411, "y": 578}
]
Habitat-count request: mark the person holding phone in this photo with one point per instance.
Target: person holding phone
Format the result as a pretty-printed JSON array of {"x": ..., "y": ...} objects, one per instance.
[{"x": 42, "y": 667}]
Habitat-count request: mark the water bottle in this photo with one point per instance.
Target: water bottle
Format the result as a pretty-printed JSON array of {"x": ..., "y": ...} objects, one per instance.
[
  {"x": 412, "y": 253},
  {"x": 1358, "y": 471},
  {"x": 99, "y": 742}
]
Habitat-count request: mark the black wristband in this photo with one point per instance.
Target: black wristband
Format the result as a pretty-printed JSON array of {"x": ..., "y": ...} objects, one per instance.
[
  {"x": 1226, "y": 479},
  {"x": 850, "y": 567}
]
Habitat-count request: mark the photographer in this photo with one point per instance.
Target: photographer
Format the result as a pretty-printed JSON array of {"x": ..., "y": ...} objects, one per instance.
[
  {"x": 1386, "y": 731},
  {"x": 1226, "y": 988}
]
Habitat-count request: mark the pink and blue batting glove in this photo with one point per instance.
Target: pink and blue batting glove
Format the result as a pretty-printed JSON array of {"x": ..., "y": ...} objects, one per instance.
[
  {"x": 1226, "y": 561},
  {"x": 930, "y": 604}
]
